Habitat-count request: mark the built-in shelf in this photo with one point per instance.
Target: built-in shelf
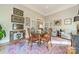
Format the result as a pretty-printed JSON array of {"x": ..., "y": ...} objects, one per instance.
[
  {"x": 19, "y": 30},
  {"x": 17, "y": 21}
]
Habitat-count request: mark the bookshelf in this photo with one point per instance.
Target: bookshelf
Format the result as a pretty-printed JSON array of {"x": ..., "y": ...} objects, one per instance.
[{"x": 17, "y": 21}]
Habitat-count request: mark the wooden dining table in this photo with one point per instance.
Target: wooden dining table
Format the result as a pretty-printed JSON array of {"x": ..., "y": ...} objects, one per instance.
[{"x": 39, "y": 37}]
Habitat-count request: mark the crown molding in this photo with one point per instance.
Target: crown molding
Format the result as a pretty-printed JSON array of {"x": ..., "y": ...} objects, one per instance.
[{"x": 50, "y": 13}]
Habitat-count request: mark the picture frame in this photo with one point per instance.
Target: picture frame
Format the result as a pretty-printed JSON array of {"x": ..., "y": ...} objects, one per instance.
[
  {"x": 50, "y": 24},
  {"x": 27, "y": 22},
  {"x": 57, "y": 22},
  {"x": 67, "y": 21},
  {"x": 34, "y": 23},
  {"x": 16, "y": 26},
  {"x": 18, "y": 12},
  {"x": 47, "y": 24},
  {"x": 15, "y": 35},
  {"x": 39, "y": 22},
  {"x": 17, "y": 19}
]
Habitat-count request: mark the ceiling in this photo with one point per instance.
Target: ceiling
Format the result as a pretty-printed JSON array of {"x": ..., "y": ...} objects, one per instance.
[{"x": 48, "y": 9}]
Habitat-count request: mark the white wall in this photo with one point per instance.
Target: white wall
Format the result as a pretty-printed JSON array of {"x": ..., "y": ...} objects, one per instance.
[
  {"x": 6, "y": 12},
  {"x": 68, "y": 13},
  {"x": 5, "y": 18}
]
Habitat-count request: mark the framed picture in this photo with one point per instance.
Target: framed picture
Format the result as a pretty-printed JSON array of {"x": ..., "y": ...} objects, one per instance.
[
  {"x": 39, "y": 23},
  {"x": 18, "y": 12},
  {"x": 14, "y": 35},
  {"x": 57, "y": 22},
  {"x": 47, "y": 25},
  {"x": 34, "y": 23},
  {"x": 17, "y": 26},
  {"x": 27, "y": 21},
  {"x": 68, "y": 21},
  {"x": 17, "y": 19},
  {"x": 50, "y": 24}
]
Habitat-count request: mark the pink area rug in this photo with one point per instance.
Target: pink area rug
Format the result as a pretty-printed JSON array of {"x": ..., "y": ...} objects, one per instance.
[{"x": 24, "y": 48}]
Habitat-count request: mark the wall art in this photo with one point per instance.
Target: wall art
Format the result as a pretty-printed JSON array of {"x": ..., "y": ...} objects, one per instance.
[{"x": 67, "y": 21}]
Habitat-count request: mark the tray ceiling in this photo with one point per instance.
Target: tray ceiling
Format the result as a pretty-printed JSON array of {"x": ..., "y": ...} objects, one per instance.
[{"x": 48, "y": 9}]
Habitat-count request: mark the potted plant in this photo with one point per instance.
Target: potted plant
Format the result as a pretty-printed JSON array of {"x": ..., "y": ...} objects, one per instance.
[{"x": 2, "y": 33}]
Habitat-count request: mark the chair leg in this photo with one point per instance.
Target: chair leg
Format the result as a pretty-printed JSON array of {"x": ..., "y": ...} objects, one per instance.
[
  {"x": 49, "y": 45},
  {"x": 30, "y": 45},
  {"x": 39, "y": 43}
]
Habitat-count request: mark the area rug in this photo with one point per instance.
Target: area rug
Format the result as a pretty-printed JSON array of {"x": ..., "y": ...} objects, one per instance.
[{"x": 24, "y": 48}]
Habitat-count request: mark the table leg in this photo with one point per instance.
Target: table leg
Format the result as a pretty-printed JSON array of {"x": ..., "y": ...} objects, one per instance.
[{"x": 39, "y": 40}]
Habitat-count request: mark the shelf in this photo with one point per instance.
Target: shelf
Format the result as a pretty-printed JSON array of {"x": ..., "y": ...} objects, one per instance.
[{"x": 19, "y": 30}]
